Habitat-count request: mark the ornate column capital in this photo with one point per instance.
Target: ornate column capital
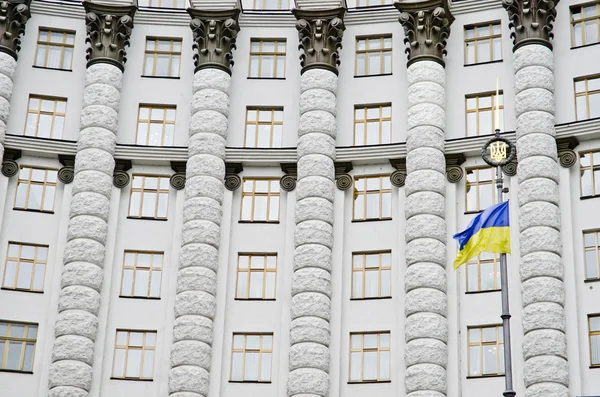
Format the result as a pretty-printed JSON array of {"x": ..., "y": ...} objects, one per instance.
[
  {"x": 398, "y": 177},
  {"x": 67, "y": 173},
  {"x": 426, "y": 26},
  {"x": 10, "y": 167},
  {"x": 120, "y": 176},
  {"x": 288, "y": 181},
  {"x": 108, "y": 30},
  {"x": 566, "y": 155},
  {"x": 232, "y": 179},
  {"x": 454, "y": 171},
  {"x": 531, "y": 21},
  {"x": 177, "y": 180},
  {"x": 14, "y": 14},
  {"x": 320, "y": 33},
  {"x": 214, "y": 34},
  {"x": 343, "y": 180}
]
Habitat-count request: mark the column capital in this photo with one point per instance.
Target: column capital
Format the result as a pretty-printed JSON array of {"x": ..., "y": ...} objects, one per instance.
[
  {"x": 14, "y": 14},
  {"x": 426, "y": 26},
  {"x": 320, "y": 33},
  {"x": 214, "y": 34},
  {"x": 531, "y": 21},
  {"x": 108, "y": 30}
]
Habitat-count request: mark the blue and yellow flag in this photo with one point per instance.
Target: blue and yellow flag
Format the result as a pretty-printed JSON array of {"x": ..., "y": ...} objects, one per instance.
[{"x": 488, "y": 232}]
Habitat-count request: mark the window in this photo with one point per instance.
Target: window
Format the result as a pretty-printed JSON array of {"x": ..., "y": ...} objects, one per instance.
[
  {"x": 483, "y": 43},
  {"x": 35, "y": 189},
  {"x": 585, "y": 24},
  {"x": 372, "y": 198},
  {"x": 45, "y": 117},
  {"x": 587, "y": 97},
  {"x": 370, "y": 357},
  {"x": 271, "y": 4},
  {"x": 25, "y": 267},
  {"x": 162, "y": 3},
  {"x": 267, "y": 59},
  {"x": 371, "y": 275},
  {"x": 590, "y": 173},
  {"x": 163, "y": 57},
  {"x": 17, "y": 346},
  {"x": 264, "y": 127},
  {"x": 373, "y": 55},
  {"x": 134, "y": 354},
  {"x": 142, "y": 272},
  {"x": 156, "y": 125},
  {"x": 591, "y": 242},
  {"x": 371, "y": 3},
  {"x": 372, "y": 124},
  {"x": 483, "y": 273},
  {"x": 260, "y": 200},
  {"x": 54, "y": 49},
  {"x": 594, "y": 324},
  {"x": 149, "y": 197},
  {"x": 481, "y": 189},
  {"x": 256, "y": 276},
  {"x": 486, "y": 351},
  {"x": 251, "y": 358},
  {"x": 481, "y": 114}
]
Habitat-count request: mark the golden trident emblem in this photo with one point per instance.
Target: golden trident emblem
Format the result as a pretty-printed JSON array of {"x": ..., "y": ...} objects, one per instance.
[{"x": 498, "y": 151}]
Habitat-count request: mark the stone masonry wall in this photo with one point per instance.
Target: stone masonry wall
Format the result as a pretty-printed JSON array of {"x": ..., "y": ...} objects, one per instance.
[{"x": 8, "y": 66}]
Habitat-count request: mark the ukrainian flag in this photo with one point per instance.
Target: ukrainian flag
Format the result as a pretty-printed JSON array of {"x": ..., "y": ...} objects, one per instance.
[{"x": 488, "y": 232}]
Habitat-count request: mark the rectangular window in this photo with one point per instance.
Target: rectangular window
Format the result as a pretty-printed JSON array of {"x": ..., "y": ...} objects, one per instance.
[
  {"x": 483, "y": 43},
  {"x": 486, "y": 351},
  {"x": 142, "y": 273},
  {"x": 162, "y": 57},
  {"x": 372, "y": 198},
  {"x": 594, "y": 324},
  {"x": 481, "y": 113},
  {"x": 17, "y": 346},
  {"x": 261, "y": 5},
  {"x": 373, "y": 56},
  {"x": 590, "y": 173},
  {"x": 483, "y": 273},
  {"x": 156, "y": 125},
  {"x": 54, "y": 49},
  {"x": 162, "y": 3},
  {"x": 587, "y": 97},
  {"x": 260, "y": 200},
  {"x": 371, "y": 275},
  {"x": 267, "y": 59},
  {"x": 134, "y": 354},
  {"x": 45, "y": 117},
  {"x": 372, "y": 124},
  {"x": 251, "y": 357},
  {"x": 25, "y": 267},
  {"x": 591, "y": 242},
  {"x": 149, "y": 197},
  {"x": 36, "y": 188},
  {"x": 370, "y": 357},
  {"x": 585, "y": 24},
  {"x": 264, "y": 127},
  {"x": 481, "y": 189},
  {"x": 256, "y": 276},
  {"x": 372, "y": 3}
]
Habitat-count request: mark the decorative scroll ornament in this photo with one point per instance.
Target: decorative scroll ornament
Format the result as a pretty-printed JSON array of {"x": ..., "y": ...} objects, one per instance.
[
  {"x": 232, "y": 179},
  {"x": 344, "y": 181},
  {"x": 66, "y": 174},
  {"x": 398, "y": 178},
  {"x": 566, "y": 155},
  {"x": 14, "y": 14},
  {"x": 10, "y": 167},
  {"x": 531, "y": 21},
  {"x": 288, "y": 183},
  {"x": 214, "y": 34},
  {"x": 108, "y": 31},
  {"x": 454, "y": 173},
  {"x": 510, "y": 169},
  {"x": 177, "y": 180},
  {"x": 426, "y": 27},
  {"x": 120, "y": 176},
  {"x": 320, "y": 33}
]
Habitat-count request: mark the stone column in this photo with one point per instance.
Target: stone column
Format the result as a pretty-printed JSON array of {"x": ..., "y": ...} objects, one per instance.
[
  {"x": 108, "y": 28},
  {"x": 545, "y": 344},
  {"x": 426, "y": 26},
  {"x": 214, "y": 34},
  {"x": 320, "y": 34}
]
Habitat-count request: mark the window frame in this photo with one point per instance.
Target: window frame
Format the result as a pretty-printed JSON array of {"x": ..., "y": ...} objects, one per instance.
[
  {"x": 272, "y": 123},
  {"x": 34, "y": 262},
  {"x": 260, "y": 352},
  {"x": 481, "y": 344},
  {"x": 477, "y": 110},
  {"x": 382, "y": 3},
  {"x": 264, "y": 271},
  {"x": 127, "y": 347},
  {"x": 156, "y": 52},
  {"x": 592, "y": 168},
  {"x": 477, "y": 184},
  {"x": 164, "y": 122},
  {"x": 151, "y": 270},
  {"x": 381, "y": 50},
  {"x": 366, "y": 120},
  {"x": 587, "y": 93},
  {"x": 263, "y": 7},
  {"x": 44, "y": 185},
  {"x": 38, "y": 112},
  {"x": 254, "y": 194},
  {"x": 141, "y": 190},
  {"x": 365, "y": 192},
  {"x": 277, "y": 41},
  {"x": 161, "y": 6},
  {"x": 497, "y": 277},
  {"x": 364, "y": 269},
  {"x": 24, "y": 341},
  {"x": 590, "y": 335},
  {"x": 362, "y": 350},
  {"x": 579, "y": 8},
  {"x": 47, "y": 43},
  {"x": 490, "y": 37},
  {"x": 596, "y": 249}
]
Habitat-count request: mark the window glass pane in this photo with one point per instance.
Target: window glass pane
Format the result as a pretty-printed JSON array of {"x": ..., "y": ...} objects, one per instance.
[
  {"x": 370, "y": 366},
  {"x": 586, "y": 183},
  {"x": 370, "y": 341},
  {"x": 595, "y": 347},
  {"x": 594, "y": 105},
  {"x": 590, "y": 264},
  {"x": 251, "y": 366},
  {"x": 361, "y": 64},
  {"x": 371, "y": 284},
  {"x": 373, "y": 206},
  {"x": 270, "y": 286},
  {"x": 256, "y": 284},
  {"x": 126, "y": 286},
  {"x": 489, "y": 360},
  {"x": 483, "y": 51},
  {"x": 3, "y": 329},
  {"x": 134, "y": 361},
  {"x": 595, "y": 323},
  {"x": 474, "y": 361},
  {"x": 13, "y": 357},
  {"x": 386, "y": 289},
  {"x": 35, "y": 197},
  {"x": 582, "y": 111},
  {"x": 374, "y": 63},
  {"x": 265, "y": 367},
  {"x": 150, "y": 339},
  {"x": 591, "y": 31},
  {"x": 121, "y": 338},
  {"x": 238, "y": 341},
  {"x": 9, "y": 275},
  {"x": 355, "y": 362},
  {"x": 357, "y": 278},
  {"x": 268, "y": 66},
  {"x": 28, "y": 357},
  {"x": 155, "y": 284},
  {"x": 141, "y": 283},
  {"x": 387, "y": 62},
  {"x": 148, "y": 364},
  {"x": 25, "y": 275},
  {"x": 236, "y": 366},
  {"x": 32, "y": 332},
  {"x": 386, "y": 205},
  {"x": 472, "y": 282},
  {"x": 474, "y": 335},
  {"x": 497, "y": 49},
  {"x": 384, "y": 341},
  {"x": 136, "y": 338},
  {"x": 274, "y": 208},
  {"x": 359, "y": 207},
  {"x": 487, "y": 277},
  {"x": 488, "y": 334},
  {"x": 163, "y": 199},
  {"x": 149, "y": 204},
  {"x": 384, "y": 365}
]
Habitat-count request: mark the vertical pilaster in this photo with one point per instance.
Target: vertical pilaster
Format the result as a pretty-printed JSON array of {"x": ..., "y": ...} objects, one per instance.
[
  {"x": 545, "y": 343},
  {"x": 214, "y": 34},
  {"x": 109, "y": 28},
  {"x": 427, "y": 26},
  {"x": 320, "y": 34}
]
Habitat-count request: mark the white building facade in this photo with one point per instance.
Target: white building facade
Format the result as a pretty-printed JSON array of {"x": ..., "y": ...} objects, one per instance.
[{"x": 258, "y": 198}]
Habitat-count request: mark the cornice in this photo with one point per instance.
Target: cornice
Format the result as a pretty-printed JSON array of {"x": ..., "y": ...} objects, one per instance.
[
  {"x": 14, "y": 15},
  {"x": 469, "y": 6}
]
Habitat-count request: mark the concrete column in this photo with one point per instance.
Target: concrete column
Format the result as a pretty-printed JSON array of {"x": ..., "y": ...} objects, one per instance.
[
  {"x": 426, "y": 311},
  {"x": 81, "y": 282},
  {"x": 8, "y": 65},
  {"x": 195, "y": 302},
  {"x": 320, "y": 34}
]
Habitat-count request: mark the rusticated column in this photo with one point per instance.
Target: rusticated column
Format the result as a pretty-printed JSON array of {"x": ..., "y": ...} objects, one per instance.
[
  {"x": 108, "y": 28},
  {"x": 426, "y": 26},
  {"x": 545, "y": 344},
  {"x": 320, "y": 34},
  {"x": 214, "y": 34}
]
